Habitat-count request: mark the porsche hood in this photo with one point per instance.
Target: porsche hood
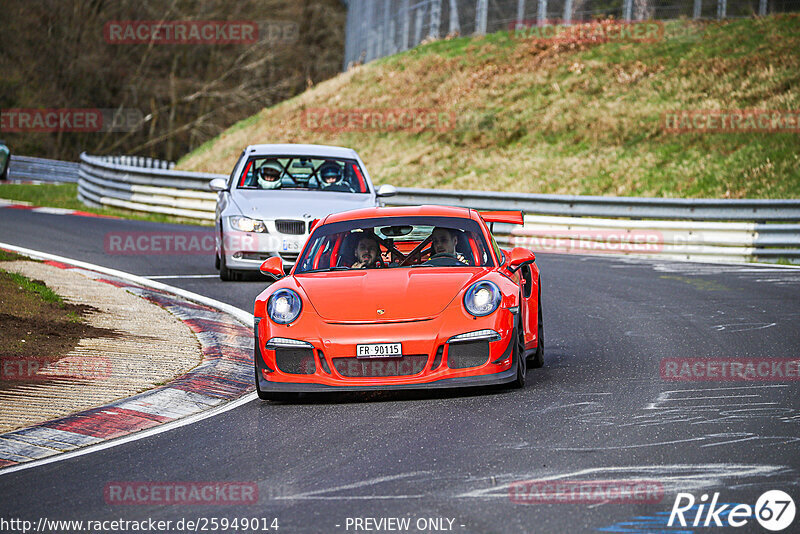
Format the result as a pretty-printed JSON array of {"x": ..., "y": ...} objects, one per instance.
[{"x": 384, "y": 295}]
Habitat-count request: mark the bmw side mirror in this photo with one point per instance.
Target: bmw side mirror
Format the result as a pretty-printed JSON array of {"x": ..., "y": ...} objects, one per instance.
[
  {"x": 519, "y": 257},
  {"x": 387, "y": 190},
  {"x": 273, "y": 267},
  {"x": 218, "y": 184}
]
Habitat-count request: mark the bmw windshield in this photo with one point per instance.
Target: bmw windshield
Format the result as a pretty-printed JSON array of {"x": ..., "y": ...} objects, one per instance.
[{"x": 303, "y": 172}]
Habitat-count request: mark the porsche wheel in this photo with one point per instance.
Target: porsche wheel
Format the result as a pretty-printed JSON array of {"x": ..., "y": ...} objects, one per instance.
[
  {"x": 273, "y": 395},
  {"x": 537, "y": 360},
  {"x": 519, "y": 357}
]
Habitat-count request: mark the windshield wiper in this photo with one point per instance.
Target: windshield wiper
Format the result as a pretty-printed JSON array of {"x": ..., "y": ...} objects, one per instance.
[{"x": 324, "y": 269}]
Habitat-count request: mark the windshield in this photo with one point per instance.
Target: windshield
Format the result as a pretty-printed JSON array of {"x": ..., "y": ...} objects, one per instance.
[
  {"x": 395, "y": 242},
  {"x": 303, "y": 172}
]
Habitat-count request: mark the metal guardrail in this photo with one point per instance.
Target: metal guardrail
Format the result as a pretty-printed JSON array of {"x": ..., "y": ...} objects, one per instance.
[
  {"x": 690, "y": 209},
  {"x": 693, "y": 229},
  {"x": 24, "y": 168},
  {"x": 146, "y": 185}
]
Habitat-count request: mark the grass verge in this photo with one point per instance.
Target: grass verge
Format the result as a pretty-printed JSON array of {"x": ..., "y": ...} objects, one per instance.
[
  {"x": 66, "y": 196},
  {"x": 563, "y": 117},
  {"x": 38, "y": 328}
]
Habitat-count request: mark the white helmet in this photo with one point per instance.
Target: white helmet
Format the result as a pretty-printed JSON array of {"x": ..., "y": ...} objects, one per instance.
[{"x": 269, "y": 175}]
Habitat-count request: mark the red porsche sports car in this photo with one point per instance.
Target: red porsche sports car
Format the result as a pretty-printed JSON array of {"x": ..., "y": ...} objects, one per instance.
[{"x": 401, "y": 297}]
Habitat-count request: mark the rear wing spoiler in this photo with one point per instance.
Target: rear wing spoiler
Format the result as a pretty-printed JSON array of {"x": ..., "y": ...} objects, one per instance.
[{"x": 508, "y": 217}]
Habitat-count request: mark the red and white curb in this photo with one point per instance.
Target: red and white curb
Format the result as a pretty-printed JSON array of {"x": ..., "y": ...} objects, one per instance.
[
  {"x": 20, "y": 205},
  {"x": 222, "y": 381}
]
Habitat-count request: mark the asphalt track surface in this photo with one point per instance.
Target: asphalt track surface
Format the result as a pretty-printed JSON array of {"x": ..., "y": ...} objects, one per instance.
[{"x": 599, "y": 409}]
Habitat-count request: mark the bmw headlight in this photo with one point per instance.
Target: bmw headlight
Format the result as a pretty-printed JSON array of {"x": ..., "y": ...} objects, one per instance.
[
  {"x": 482, "y": 298},
  {"x": 284, "y": 306},
  {"x": 246, "y": 224}
]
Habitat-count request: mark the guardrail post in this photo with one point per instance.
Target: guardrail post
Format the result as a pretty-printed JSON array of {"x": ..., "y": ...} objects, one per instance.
[
  {"x": 722, "y": 9},
  {"x": 541, "y": 15},
  {"x": 520, "y": 14},
  {"x": 698, "y": 9},
  {"x": 762, "y": 8},
  {"x": 628, "y": 10}
]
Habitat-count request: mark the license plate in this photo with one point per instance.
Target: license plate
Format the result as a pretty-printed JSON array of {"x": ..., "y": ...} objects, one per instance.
[
  {"x": 379, "y": 350},
  {"x": 290, "y": 246}
]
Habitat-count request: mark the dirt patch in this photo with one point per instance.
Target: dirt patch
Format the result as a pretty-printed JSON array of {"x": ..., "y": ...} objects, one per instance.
[
  {"x": 33, "y": 329},
  {"x": 92, "y": 343}
]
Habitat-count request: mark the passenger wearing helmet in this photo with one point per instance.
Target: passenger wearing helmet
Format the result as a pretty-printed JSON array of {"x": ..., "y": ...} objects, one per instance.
[
  {"x": 333, "y": 179},
  {"x": 269, "y": 175}
]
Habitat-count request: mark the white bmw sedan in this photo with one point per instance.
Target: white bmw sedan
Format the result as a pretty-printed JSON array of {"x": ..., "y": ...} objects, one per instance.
[{"x": 266, "y": 207}]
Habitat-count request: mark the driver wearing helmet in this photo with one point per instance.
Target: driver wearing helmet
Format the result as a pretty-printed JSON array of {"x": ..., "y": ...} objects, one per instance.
[
  {"x": 269, "y": 175},
  {"x": 333, "y": 178},
  {"x": 444, "y": 241}
]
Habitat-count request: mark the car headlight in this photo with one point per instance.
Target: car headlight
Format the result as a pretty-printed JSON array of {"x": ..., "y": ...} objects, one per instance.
[
  {"x": 284, "y": 306},
  {"x": 482, "y": 298},
  {"x": 246, "y": 224}
]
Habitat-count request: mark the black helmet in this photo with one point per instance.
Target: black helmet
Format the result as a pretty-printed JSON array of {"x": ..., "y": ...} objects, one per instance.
[{"x": 330, "y": 170}]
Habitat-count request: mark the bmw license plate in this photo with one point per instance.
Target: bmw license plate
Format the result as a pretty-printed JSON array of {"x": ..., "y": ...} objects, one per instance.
[
  {"x": 379, "y": 350},
  {"x": 290, "y": 246}
]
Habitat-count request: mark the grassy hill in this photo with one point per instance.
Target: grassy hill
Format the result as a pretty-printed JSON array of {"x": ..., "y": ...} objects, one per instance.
[{"x": 564, "y": 117}]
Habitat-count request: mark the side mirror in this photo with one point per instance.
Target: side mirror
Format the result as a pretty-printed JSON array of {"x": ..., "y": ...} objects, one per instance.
[
  {"x": 273, "y": 267},
  {"x": 387, "y": 190},
  {"x": 519, "y": 257},
  {"x": 218, "y": 184}
]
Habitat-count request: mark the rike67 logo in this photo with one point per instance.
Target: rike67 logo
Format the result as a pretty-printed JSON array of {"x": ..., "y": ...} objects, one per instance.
[{"x": 774, "y": 511}]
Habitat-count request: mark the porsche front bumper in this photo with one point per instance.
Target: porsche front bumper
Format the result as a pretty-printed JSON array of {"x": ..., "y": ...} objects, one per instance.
[{"x": 329, "y": 362}]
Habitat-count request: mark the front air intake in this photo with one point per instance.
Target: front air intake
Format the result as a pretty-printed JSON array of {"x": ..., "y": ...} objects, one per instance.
[
  {"x": 468, "y": 354},
  {"x": 411, "y": 364},
  {"x": 295, "y": 361}
]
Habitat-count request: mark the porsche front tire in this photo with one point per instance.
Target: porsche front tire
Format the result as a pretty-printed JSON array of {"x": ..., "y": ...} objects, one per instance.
[
  {"x": 537, "y": 360},
  {"x": 519, "y": 357},
  {"x": 273, "y": 395}
]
